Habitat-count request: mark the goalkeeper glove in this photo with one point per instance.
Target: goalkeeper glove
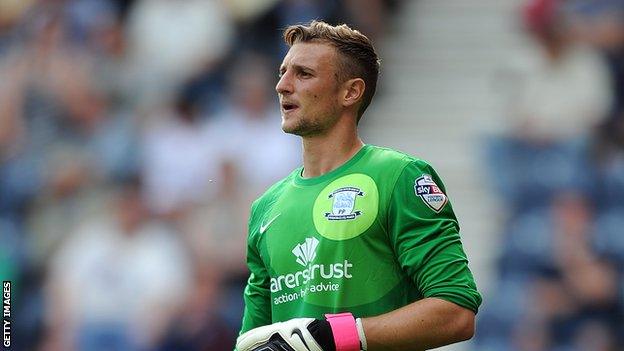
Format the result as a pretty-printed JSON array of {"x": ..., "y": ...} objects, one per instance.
[{"x": 338, "y": 332}]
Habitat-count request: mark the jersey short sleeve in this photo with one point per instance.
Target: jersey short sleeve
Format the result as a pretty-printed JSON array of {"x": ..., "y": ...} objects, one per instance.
[{"x": 424, "y": 233}]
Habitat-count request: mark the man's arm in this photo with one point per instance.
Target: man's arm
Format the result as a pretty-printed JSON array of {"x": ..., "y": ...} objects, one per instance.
[
  {"x": 421, "y": 325},
  {"x": 257, "y": 294},
  {"x": 425, "y": 235}
]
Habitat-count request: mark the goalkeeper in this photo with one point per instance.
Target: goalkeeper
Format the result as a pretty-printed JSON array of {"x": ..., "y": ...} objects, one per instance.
[{"x": 359, "y": 249}]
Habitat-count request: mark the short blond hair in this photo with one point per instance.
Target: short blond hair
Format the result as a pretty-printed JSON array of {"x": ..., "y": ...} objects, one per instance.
[{"x": 358, "y": 58}]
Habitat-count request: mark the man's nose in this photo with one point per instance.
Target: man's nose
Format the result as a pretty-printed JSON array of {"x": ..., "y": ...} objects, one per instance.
[{"x": 284, "y": 85}]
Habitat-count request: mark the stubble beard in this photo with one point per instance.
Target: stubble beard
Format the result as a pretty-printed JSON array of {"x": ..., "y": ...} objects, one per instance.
[
  {"x": 304, "y": 128},
  {"x": 307, "y": 127}
]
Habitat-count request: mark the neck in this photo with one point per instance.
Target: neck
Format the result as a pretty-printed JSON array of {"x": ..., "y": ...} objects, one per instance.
[{"x": 326, "y": 152}]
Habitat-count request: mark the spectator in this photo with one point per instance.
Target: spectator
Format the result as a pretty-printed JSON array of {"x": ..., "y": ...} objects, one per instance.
[
  {"x": 181, "y": 158},
  {"x": 254, "y": 145},
  {"x": 200, "y": 325},
  {"x": 560, "y": 89},
  {"x": 118, "y": 281},
  {"x": 191, "y": 34},
  {"x": 571, "y": 291},
  {"x": 600, "y": 23},
  {"x": 253, "y": 113}
]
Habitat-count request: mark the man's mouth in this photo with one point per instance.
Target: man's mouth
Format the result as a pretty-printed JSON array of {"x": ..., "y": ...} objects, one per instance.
[{"x": 287, "y": 106}]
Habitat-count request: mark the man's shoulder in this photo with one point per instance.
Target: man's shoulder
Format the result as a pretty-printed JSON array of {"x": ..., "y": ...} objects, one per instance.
[
  {"x": 387, "y": 166},
  {"x": 392, "y": 159},
  {"x": 270, "y": 194}
]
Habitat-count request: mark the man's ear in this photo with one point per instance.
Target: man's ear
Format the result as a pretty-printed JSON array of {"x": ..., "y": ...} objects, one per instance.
[{"x": 353, "y": 91}]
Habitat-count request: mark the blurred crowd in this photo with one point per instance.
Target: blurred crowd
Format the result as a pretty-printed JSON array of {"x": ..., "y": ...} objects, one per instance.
[
  {"x": 558, "y": 169},
  {"x": 133, "y": 137},
  {"x": 135, "y": 134}
]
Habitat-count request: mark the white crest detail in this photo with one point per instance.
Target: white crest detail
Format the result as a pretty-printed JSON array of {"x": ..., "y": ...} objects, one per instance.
[
  {"x": 343, "y": 203},
  {"x": 306, "y": 252}
]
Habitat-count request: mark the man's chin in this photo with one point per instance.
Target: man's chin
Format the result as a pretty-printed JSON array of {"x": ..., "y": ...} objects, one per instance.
[
  {"x": 301, "y": 128},
  {"x": 292, "y": 128},
  {"x": 293, "y": 131},
  {"x": 301, "y": 131}
]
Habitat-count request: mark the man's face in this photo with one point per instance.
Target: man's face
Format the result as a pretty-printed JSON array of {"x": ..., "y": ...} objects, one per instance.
[{"x": 308, "y": 89}]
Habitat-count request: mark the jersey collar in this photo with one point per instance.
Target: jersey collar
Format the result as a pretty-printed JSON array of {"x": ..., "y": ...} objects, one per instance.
[{"x": 299, "y": 180}]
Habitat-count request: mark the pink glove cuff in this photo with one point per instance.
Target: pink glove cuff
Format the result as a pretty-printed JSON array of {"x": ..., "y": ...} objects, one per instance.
[{"x": 345, "y": 331}]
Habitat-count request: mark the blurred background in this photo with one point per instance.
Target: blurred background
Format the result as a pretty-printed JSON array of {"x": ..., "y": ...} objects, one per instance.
[{"x": 135, "y": 134}]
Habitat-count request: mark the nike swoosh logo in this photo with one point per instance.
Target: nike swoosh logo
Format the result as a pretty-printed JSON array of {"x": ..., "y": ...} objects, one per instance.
[
  {"x": 300, "y": 334},
  {"x": 263, "y": 227}
]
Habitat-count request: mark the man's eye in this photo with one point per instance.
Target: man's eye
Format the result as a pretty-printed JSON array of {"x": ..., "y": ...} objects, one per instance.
[{"x": 305, "y": 74}]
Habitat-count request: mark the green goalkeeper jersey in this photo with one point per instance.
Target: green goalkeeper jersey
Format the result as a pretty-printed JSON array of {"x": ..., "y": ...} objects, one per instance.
[{"x": 373, "y": 235}]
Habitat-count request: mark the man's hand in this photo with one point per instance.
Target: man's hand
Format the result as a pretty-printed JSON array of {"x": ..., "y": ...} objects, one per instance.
[
  {"x": 336, "y": 333},
  {"x": 292, "y": 335}
]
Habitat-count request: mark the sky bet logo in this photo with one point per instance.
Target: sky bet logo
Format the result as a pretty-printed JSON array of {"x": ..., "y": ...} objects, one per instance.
[{"x": 305, "y": 253}]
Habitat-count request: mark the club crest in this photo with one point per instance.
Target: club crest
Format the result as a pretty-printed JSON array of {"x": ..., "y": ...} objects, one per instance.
[
  {"x": 343, "y": 204},
  {"x": 430, "y": 193}
]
